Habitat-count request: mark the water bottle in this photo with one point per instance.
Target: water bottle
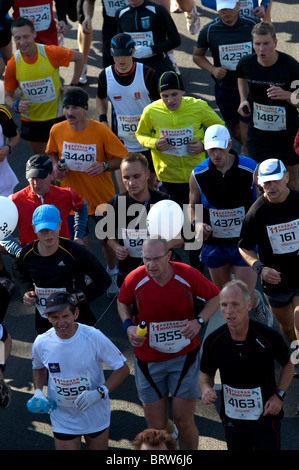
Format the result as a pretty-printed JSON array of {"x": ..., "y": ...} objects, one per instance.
[
  {"x": 61, "y": 164},
  {"x": 40, "y": 405},
  {"x": 141, "y": 330}
]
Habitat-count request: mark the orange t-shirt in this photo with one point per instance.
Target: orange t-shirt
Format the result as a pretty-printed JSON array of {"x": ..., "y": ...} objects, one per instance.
[
  {"x": 58, "y": 57},
  {"x": 78, "y": 148}
]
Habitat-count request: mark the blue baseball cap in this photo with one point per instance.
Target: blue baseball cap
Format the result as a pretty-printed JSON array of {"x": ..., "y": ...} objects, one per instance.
[
  {"x": 271, "y": 170},
  {"x": 46, "y": 216}
]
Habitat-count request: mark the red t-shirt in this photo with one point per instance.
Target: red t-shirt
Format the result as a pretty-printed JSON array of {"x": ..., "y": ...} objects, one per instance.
[
  {"x": 172, "y": 302},
  {"x": 65, "y": 199}
]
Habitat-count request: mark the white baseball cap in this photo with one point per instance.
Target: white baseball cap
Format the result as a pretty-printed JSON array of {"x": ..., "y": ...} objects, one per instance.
[
  {"x": 216, "y": 136},
  {"x": 221, "y": 4},
  {"x": 271, "y": 170}
]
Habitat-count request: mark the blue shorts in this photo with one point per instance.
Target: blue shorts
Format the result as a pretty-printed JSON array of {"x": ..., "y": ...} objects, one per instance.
[
  {"x": 228, "y": 101},
  {"x": 216, "y": 256},
  {"x": 155, "y": 380}
]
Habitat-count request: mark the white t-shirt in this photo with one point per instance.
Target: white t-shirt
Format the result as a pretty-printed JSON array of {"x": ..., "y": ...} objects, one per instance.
[{"x": 75, "y": 365}]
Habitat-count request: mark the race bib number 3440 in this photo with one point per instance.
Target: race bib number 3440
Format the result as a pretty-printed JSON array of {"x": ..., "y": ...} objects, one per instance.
[{"x": 79, "y": 157}]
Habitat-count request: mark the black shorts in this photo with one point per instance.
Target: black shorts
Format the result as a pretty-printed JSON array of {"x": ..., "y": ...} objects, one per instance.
[
  {"x": 38, "y": 131},
  {"x": 70, "y": 437},
  {"x": 263, "y": 145},
  {"x": 228, "y": 101}
]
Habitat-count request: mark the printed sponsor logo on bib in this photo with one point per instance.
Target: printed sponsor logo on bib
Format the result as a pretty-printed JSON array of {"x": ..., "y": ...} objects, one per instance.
[
  {"x": 178, "y": 140},
  {"x": 269, "y": 118},
  {"x": 246, "y": 404},
  {"x": 227, "y": 223},
  {"x": 79, "y": 157},
  {"x": 67, "y": 390},
  {"x": 166, "y": 336},
  {"x": 39, "y": 91},
  {"x": 230, "y": 54},
  {"x": 284, "y": 238}
]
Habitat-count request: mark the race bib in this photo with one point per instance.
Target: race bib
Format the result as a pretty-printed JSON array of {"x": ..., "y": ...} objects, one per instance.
[
  {"x": 133, "y": 240},
  {"x": 284, "y": 238},
  {"x": 230, "y": 54},
  {"x": 79, "y": 157},
  {"x": 143, "y": 38},
  {"x": 39, "y": 91},
  {"x": 246, "y": 7},
  {"x": 39, "y": 14},
  {"x": 127, "y": 126},
  {"x": 269, "y": 118},
  {"x": 112, "y": 5},
  {"x": 178, "y": 140},
  {"x": 42, "y": 293},
  {"x": 227, "y": 223},
  {"x": 166, "y": 336},
  {"x": 67, "y": 390},
  {"x": 242, "y": 403}
]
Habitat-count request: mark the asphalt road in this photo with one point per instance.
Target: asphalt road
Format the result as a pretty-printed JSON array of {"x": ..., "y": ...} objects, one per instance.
[{"x": 20, "y": 430}]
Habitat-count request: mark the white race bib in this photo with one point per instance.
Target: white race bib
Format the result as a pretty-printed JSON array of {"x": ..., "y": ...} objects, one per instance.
[
  {"x": 143, "y": 38},
  {"x": 112, "y": 5},
  {"x": 166, "y": 336},
  {"x": 79, "y": 157},
  {"x": 269, "y": 118},
  {"x": 246, "y": 7},
  {"x": 284, "y": 238},
  {"x": 67, "y": 390},
  {"x": 242, "y": 403},
  {"x": 178, "y": 140},
  {"x": 42, "y": 293},
  {"x": 39, "y": 91},
  {"x": 133, "y": 240},
  {"x": 127, "y": 126},
  {"x": 39, "y": 14},
  {"x": 227, "y": 223},
  {"x": 230, "y": 54}
]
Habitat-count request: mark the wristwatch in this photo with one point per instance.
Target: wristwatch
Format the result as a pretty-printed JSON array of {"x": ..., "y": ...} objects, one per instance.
[
  {"x": 9, "y": 148},
  {"x": 281, "y": 394},
  {"x": 259, "y": 269},
  {"x": 80, "y": 296},
  {"x": 201, "y": 321},
  {"x": 106, "y": 166},
  {"x": 103, "y": 391}
]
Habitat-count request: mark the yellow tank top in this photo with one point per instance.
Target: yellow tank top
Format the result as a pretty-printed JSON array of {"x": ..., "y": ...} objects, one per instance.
[{"x": 40, "y": 84}]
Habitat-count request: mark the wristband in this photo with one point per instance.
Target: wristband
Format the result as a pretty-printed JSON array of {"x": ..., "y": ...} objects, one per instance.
[
  {"x": 258, "y": 267},
  {"x": 15, "y": 106},
  {"x": 9, "y": 148},
  {"x": 128, "y": 322},
  {"x": 2, "y": 367},
  {"x": 103, "y": 117}
]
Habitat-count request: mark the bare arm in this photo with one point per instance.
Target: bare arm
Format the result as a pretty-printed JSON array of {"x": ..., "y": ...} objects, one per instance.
[
  {"x": 206, "y": 384},
  {"x": 204, "y": 63}
]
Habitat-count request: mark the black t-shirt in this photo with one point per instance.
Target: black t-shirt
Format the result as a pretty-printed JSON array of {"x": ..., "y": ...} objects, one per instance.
[
  {"x": 233, "y": 190},
  {"x": 245, "y": 364},
  {"x": 259, "y": 78},
  {"x": 134, "y": 220},
  {"x": 265, "y": 218},
  {"x": 216, "y": 35},
  {"x": 67, "y": 268},
  {"x": 150, "y": 18},
  {"x": 9, "y": 127}
]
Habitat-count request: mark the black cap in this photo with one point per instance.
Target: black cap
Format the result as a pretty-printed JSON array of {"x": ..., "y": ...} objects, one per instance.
[
  {"x": 122, "y": 44},
  {"x": 59, "y": 301},
  {"x": 75, "y": 96},
  {"x": 170, "y": 81},
  {"x": 38, "y": 166}
]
